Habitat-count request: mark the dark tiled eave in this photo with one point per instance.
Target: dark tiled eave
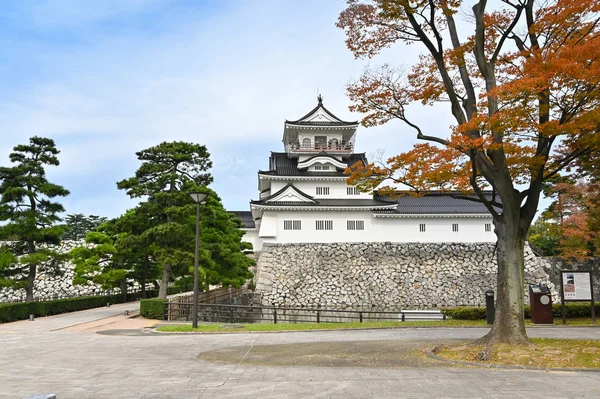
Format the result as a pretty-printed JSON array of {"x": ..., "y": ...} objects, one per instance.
[
  {"x": 332, "y": 202},
  {"x": 438, "y": 203},
  {"x": 246, "y": 218},
  {"x": 339, "y": 122}
]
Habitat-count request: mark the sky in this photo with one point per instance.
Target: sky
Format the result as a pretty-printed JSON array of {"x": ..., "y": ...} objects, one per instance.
[{"x": 107, "y": 78}]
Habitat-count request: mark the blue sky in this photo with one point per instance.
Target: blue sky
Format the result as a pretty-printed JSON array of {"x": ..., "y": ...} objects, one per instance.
[{"x": 107, "y": 78}]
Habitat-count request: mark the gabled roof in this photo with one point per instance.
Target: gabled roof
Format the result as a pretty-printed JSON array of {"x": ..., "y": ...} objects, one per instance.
[
  {"x": 436, "y": 202},
  {"x": 291, "y": 189},
  {"x": 246, "y": 217},
  {"x": 312, "y": 117},
  {"x": 281, "y": 164},
  {"x": 324, "y": 157}
]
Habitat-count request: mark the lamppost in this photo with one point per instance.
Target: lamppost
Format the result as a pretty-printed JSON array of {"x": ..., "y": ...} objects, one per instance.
[{"x": 198, "y": 198}]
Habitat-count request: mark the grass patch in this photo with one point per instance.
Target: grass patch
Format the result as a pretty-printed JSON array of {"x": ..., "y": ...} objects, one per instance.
[
  {"x": 221, "y": 327},
  {"x": 541, "y": 352}
]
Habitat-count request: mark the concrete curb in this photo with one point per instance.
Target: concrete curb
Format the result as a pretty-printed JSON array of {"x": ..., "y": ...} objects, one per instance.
[{"x": 430, "y": 354}]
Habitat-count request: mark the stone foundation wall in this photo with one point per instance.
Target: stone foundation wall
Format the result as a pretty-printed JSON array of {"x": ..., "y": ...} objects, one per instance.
[
  {"x": 386, "y": 276},
  {"x": 47, "y": 286}
]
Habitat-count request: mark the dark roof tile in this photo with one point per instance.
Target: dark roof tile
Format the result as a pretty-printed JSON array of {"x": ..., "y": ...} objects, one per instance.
[
  {"x": 281, "y": 164},
  {"x": 333, "y": 202},
  {"x": 338, "y": 121},
  {"x": 437, "y": 203},
  {"x": 246, "y": 217}
]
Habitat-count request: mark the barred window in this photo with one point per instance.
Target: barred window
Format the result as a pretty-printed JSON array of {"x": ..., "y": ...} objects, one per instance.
[
  {"x": 352, "y": 191},
  {"x": 355, "y": 225},
  {"x": 455, "y": 227},
  {"x": 321, "y": 167},
  {"x": 488, "y": 227},
  {"x": 322, "y": 190},
  {"x": 324, "y": 224},
  {"x": 292, "y": 225},
  {"x": 422, "y": 227}
]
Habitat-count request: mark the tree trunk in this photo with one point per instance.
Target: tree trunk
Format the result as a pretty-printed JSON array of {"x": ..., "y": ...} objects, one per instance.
[
  {"x": 144, "y": 277},
  {"x": 509, "y": 326},
  {"x": 32, "y": 271},
  {"x": 124, "y": 290},
  {"x": 164, "y": 285},
  {"x": 30, "y": 283}
]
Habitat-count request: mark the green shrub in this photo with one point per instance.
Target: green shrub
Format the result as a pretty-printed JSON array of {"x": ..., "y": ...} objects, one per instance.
[
  {"x": 465, "y": 313},
  {"x": 152, "y": 308},
  {"x": 581, "y": 309},
  {"x": 21, "y": 310}
]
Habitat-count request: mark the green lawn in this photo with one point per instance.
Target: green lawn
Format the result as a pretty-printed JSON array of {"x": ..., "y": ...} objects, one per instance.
[
  {"x": 224, "y": 327},
  {"x": 221, "y": 327}
]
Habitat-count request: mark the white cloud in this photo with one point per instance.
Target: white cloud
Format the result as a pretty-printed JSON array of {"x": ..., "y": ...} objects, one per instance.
[{"x": 227, "y": 80}]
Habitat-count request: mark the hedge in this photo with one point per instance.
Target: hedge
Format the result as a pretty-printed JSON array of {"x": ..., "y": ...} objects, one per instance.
[
  {"x": 152, "y": 308},
  {"x": 583, "y": 309},
  {"x": 21, "y": 310}
]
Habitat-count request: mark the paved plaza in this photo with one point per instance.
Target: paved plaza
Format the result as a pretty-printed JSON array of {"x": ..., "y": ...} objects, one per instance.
[{"x": 66, "y": 355}]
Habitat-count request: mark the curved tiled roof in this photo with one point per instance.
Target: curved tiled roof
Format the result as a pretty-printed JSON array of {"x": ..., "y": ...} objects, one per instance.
[
  {"x": 246, "y": 217},
  {"x": 330, "y": 202},
  {"x": 437, "y": 202},
  {"x": 282, "y": 165},
  {"x": 338, "y": 121},
  {"x": 288, "y": 186}
]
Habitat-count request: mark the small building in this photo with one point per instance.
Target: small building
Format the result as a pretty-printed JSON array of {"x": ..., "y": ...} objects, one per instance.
[{"x": 304, "y": 197}]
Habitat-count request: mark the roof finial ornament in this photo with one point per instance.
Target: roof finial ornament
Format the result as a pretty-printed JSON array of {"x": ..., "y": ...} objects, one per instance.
[{"x": 320, "y": 99}]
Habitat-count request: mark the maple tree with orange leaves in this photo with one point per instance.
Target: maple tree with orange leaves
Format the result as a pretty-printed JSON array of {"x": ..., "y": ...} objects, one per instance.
[{"x": 524, "y": 90}]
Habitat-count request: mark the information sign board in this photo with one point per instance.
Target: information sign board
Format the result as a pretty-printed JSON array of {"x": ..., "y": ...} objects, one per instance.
[{"x": 576, "y": 286}]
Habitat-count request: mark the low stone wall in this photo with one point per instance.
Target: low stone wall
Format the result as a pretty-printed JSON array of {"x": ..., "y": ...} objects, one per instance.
[
  {"x": 47, "y": 286},
  {"x": 378, "y": 276}
]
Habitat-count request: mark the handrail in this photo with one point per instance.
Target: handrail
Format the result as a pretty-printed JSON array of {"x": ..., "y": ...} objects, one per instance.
[{"x": 250, "y": 313}]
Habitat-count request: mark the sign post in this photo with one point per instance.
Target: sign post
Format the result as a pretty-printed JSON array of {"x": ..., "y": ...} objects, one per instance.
[{"x": 576, "y": 286}]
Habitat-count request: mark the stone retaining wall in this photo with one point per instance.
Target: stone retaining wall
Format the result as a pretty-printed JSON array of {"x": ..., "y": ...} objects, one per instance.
[
  {"x": 47, "y": 286},
  {"x": 377, "y": 276}
]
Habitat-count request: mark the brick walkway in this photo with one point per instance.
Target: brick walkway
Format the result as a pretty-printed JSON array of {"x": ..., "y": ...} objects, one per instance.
[{"x": 49, "y": 355}]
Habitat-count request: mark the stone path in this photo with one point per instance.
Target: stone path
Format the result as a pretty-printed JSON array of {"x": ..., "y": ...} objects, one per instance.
[{"x": 50, "y": 356}]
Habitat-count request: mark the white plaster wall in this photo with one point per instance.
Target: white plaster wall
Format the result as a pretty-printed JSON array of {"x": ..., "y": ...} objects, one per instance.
[
  {"x": 311, "y": 136},
  {"x": 251, "y": 236},
  {"x": 376, "y": 229},
  {"x": 337, "y": 189}
]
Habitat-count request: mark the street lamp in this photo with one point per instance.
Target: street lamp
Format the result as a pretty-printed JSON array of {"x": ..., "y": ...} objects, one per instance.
[{"x": 198, "y": 198}]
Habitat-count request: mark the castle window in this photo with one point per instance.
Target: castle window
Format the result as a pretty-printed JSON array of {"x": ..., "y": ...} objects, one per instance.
[
  {"x": 321, "y": 167},
  {"x": 355, "y": 225},
  {"x": 324, "y": 224},
  {"x": 292, "y": 225},
  {"x": 488, "y": 227},
  {"x": 352, "y": 191},
  {"x": 306, "y": 143},
  {"x": 422, "y": 227},
  {"x": 455, "y": 227},
  {"x": 322, "y": 190}
]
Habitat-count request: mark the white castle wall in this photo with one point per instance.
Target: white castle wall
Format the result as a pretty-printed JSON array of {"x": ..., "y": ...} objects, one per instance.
[
  {"x": 377, "y": 229},
  {"x": 386, "y": 276}
]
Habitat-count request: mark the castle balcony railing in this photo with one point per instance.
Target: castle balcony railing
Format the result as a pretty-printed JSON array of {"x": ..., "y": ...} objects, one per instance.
[{"x": 316, "y": 148}]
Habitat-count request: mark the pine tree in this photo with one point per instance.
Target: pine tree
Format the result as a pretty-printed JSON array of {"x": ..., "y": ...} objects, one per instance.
[
  {"x": 165, "y": 170},
  {"x": 30, "y": 216},
  {"x": 78, "y": 225}
]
